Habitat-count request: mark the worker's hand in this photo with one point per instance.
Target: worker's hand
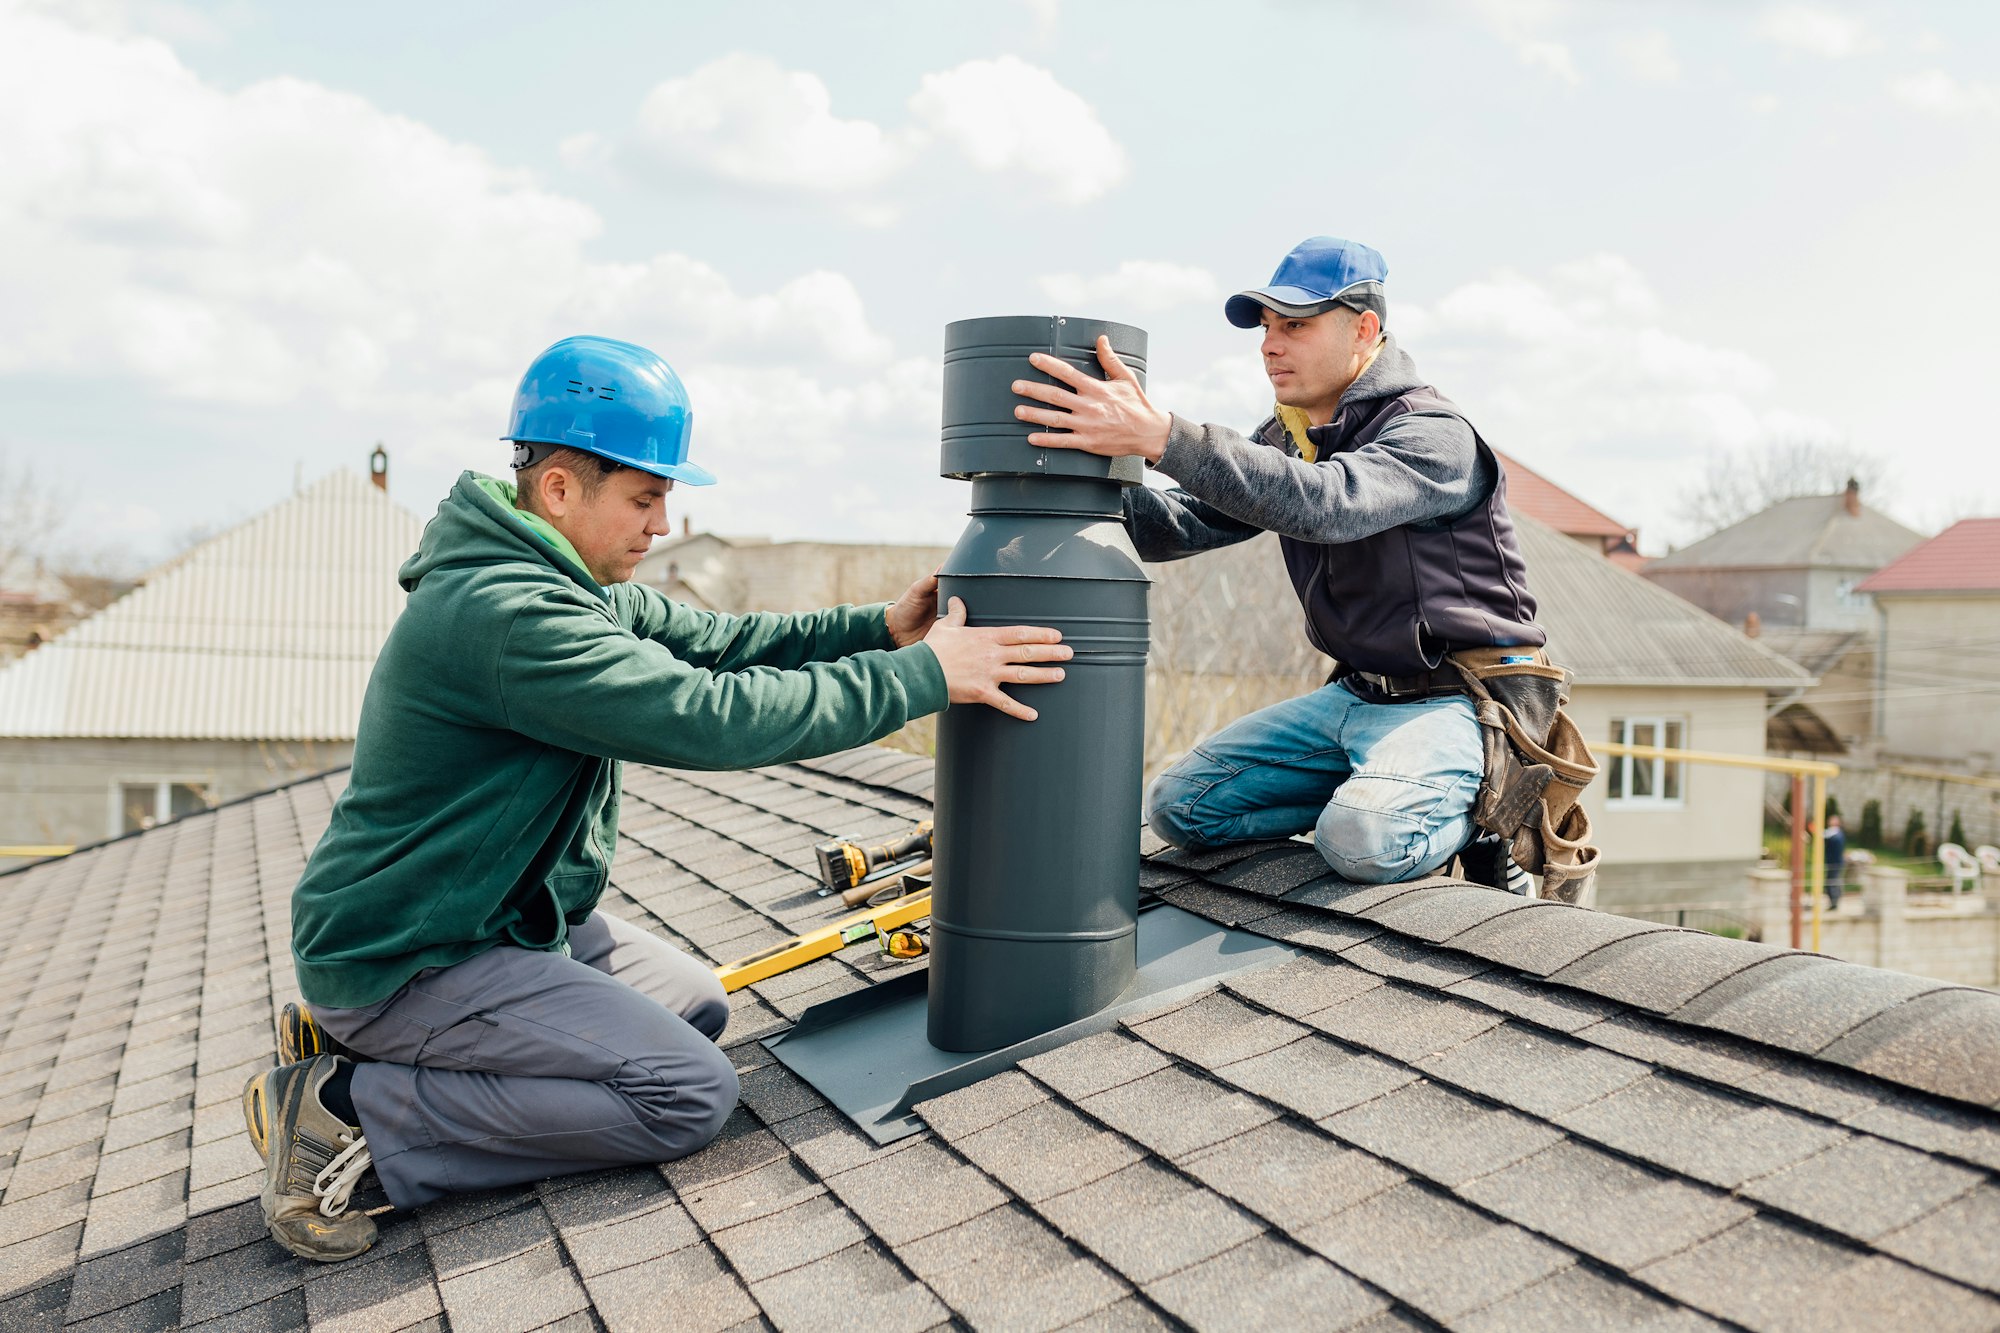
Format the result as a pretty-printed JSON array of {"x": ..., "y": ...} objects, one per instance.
[
  {"x": 912, "y": 615},
  {"x": 1109, "y": 417},
  {"x": 977, "y": 662}
]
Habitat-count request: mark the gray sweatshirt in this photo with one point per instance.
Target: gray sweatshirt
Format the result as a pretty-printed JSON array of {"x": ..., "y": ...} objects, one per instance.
[{"x": 1423, "y": 466}]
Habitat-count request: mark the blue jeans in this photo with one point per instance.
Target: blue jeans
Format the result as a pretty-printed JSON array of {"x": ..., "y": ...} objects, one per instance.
[{"x": 1387, "y": 789}]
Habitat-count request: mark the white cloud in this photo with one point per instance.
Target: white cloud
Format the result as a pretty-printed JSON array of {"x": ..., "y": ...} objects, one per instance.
[
  {"x": 1231, "y": 390},
  {"x": 746, "y": 120},
  {"x": 1011, "y": 117},
  {"x": 1521, "y": 24},
  {"x": 286, "y": 252},
  {"x": 1650, "y": 56},
  {"x": 1137, "y": 285},
  {"x": 1578, "y": 372},
  {"x": 1764, "y": 103},
  {"x": 1940, "y": 94},
  {"x": 1818, "y": 32}
]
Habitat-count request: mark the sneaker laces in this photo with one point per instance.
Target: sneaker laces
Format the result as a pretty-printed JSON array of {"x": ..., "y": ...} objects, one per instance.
[{"x": 335, "y": 1183}]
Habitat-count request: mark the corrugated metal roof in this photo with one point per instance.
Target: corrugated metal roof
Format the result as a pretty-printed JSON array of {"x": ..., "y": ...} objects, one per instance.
[
  {"x": 1611, "y": 627},
  {"x": 267, "y": 632},
  {"x": 1965, "y": 557},
  {"x": 1815, "y": 531}
]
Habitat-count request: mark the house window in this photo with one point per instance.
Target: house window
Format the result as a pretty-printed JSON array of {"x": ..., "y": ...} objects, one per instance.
[
  {"x": 141, "y": 805},
  {"x": 1633, "y": 782},
  {"x": 1851, "y": 600}
]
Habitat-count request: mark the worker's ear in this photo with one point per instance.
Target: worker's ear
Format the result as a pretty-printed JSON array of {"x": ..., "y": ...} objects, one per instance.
[
  {"x": 553, "y": 489},
  {"x": 1367, "y": 328}
]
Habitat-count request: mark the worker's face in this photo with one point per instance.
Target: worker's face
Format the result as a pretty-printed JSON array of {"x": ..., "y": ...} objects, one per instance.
[
  {"x": 1311, "y": 360},
  {"x": 613, "y": 529}
]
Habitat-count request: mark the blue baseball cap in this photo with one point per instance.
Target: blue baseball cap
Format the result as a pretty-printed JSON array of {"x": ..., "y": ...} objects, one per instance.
[{"x": 1320, "y": 273}]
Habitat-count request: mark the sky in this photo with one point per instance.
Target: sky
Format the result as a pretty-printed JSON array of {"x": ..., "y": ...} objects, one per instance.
[{"x": 240, "y": 244}]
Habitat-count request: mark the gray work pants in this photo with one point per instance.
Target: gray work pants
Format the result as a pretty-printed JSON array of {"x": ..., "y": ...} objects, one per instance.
[{"x": 518, "y": 1064}]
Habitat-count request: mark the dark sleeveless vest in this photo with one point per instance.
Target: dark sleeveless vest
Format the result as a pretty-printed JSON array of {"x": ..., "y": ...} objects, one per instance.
[{"x": 1395, "y": 603}]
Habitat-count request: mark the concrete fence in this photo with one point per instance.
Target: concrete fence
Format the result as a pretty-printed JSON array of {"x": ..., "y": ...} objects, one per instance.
[{"x": 1952, "y": 937}]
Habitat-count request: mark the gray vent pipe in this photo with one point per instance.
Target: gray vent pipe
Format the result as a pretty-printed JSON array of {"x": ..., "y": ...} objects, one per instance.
[{"x": 1035, "y": 898}]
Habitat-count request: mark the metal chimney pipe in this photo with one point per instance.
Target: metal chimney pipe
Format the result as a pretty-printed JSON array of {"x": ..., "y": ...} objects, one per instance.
[{"x": 1036, "y": 883}]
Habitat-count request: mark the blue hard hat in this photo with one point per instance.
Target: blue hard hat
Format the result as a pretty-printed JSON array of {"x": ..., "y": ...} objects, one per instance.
[
  {"x": 610, "y": 398},
  {"x": 1320, "y": 273}
]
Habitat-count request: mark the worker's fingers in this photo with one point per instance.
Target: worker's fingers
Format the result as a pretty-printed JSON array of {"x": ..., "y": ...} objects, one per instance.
[
  {"x": 955, "y": 613},
  {"x": 1059, "y": 440},
  {"x": 1053, "y": 394},
  {"x": 1040, "y": 652},
  {"x": 1114, "y": 367},
  {"x": 1029, "y": 675},
  {"x": 1044, "y": 416},
  {"x": 1018, "y": 634},
  {"x": 1057, "y": 368},
  {"x": 1012, "y": 707}
]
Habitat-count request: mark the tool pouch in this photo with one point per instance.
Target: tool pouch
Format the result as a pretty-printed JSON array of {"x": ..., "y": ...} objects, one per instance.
[{"x": 1537, "y": 766}]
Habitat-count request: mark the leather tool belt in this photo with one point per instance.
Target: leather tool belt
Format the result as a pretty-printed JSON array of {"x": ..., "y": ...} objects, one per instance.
[{"x": 1537, "y": 766}]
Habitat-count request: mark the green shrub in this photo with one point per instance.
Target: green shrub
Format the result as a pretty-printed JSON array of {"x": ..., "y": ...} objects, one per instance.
[
  {"x": 1914, "y": 841},
  {"x": 1871, "y": 824},
  {"x": 1958, "y": 830}
]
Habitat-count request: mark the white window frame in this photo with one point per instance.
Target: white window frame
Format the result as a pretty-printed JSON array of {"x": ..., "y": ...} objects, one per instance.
[
  {"x": 1621, "y": 766},
  {"x": 163, "y": 798}
]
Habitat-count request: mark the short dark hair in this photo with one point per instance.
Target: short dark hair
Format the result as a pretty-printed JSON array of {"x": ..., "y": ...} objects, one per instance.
[{"x": 590, "y": 470}]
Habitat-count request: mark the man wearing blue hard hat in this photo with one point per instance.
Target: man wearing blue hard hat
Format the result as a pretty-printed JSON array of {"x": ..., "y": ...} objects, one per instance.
[
  {"x": 1392, "y": 515},
  {"x": 475, "y": 1021}
]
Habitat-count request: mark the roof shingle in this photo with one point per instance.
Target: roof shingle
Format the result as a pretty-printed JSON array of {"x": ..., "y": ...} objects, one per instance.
[{"x": 1454, "y": 1108}]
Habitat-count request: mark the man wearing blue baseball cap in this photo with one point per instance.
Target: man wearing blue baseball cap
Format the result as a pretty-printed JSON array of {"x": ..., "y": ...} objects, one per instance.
[
  {"x": 476, "y": 1020},
  {"x": 1392, "y": 515}
]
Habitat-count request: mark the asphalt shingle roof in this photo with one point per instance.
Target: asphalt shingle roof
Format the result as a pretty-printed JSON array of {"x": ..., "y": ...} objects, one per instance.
[{"x": 1453, "y": 1109}]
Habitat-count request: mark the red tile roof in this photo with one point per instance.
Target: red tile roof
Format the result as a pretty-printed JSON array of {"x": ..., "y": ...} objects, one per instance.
[
  {"x": 1965, "y": 557},
  {"x": 1530, "y": 493}
]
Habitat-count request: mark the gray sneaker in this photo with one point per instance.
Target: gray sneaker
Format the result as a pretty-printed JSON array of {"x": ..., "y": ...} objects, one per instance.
[{"x": 314, "y": 1161}]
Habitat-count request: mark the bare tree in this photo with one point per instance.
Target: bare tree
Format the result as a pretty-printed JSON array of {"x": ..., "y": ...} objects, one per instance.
[
  {"x": 31, "y": 513},
  {"x": 1736, "y": 484}
]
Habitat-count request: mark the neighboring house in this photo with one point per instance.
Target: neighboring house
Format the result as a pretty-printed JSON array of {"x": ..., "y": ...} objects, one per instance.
[
  {"x": 1938, "y": 688},
  {"x": 1791, "y": 576},
  {"x": 1795, "y": 566},
  {"x": 1652, "y": 670},
  {"x": 1453, "y": 1109},
  {"x": 757, "y": 574},
  {"x": 1530, "y": 493},
  {"x": 35, "y": 606},
  {"x": 238, "y": 666}
]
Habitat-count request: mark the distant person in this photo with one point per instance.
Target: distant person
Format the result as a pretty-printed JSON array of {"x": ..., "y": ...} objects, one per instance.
[
  {"x": 1836, "y": 860},
  {"x": 1392, "y": 514},
  {"x": 476, "y": 1021}
]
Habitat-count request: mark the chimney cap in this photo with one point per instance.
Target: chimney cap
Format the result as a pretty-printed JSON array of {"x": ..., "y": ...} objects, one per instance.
[{"x": 378, "y": 467}]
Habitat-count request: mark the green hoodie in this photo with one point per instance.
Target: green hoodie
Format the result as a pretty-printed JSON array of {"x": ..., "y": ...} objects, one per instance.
[{"x": 483, "y": 805}]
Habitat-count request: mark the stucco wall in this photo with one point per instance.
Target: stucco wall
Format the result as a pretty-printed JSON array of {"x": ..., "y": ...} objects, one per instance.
[
  {"x": 1717, "y": 829},
  {"x": 1953, "y": 938},
  {"x": 1731, "y": 594},
  {"x": 64, "y": 791},
  {"x": 1942, "y": 662}
]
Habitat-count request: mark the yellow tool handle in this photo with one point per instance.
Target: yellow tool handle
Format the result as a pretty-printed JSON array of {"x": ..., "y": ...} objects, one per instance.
[
  {"x": 826, "y": 940},
  {"x": 861, "y": 893}
]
